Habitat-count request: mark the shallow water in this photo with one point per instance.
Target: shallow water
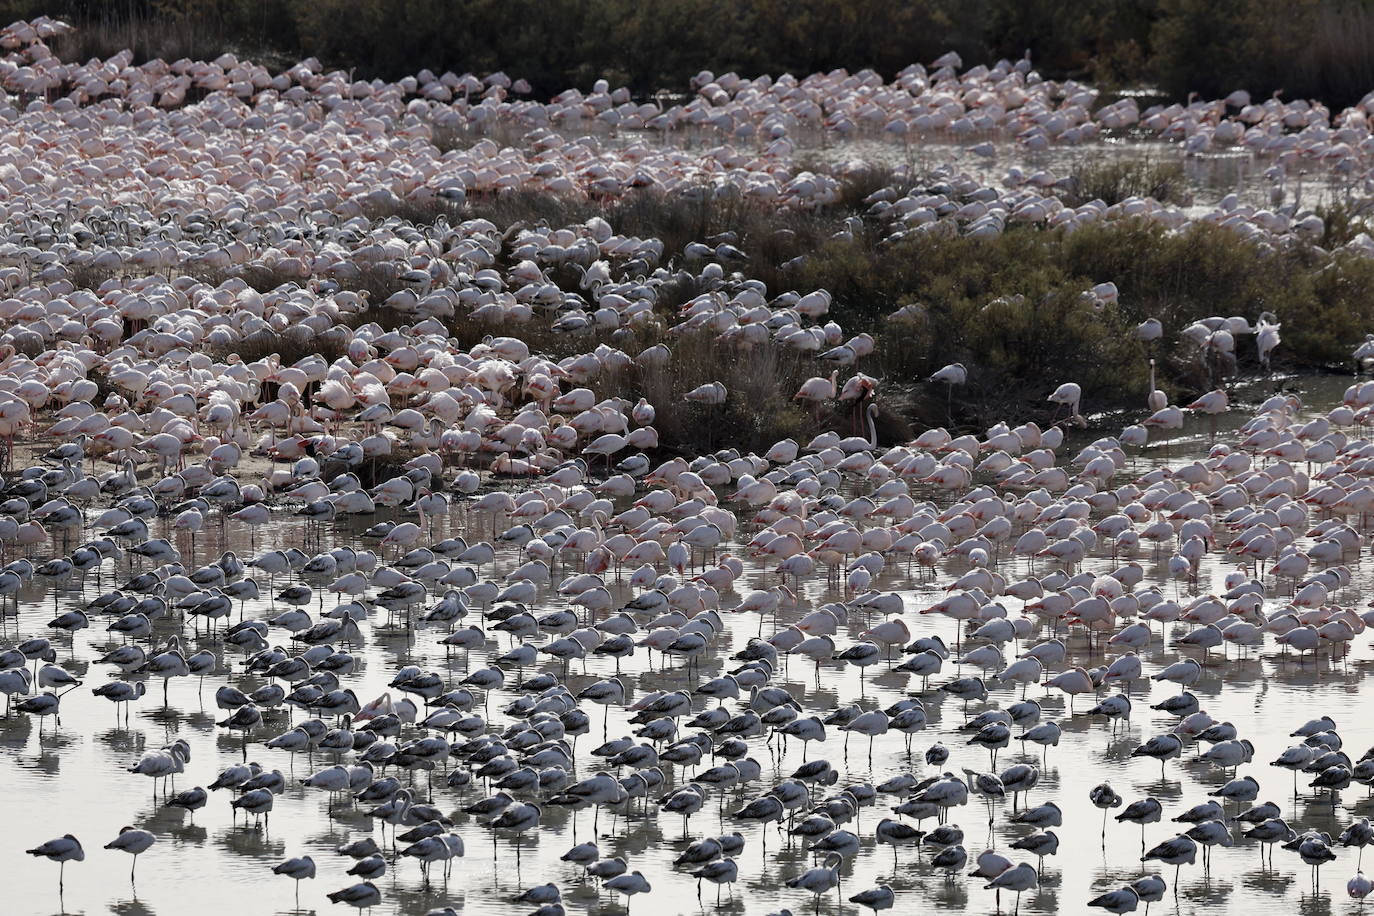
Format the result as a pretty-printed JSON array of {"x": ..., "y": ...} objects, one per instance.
[
  {"x": 72, "y": 778},
  {"x": 1207, "y": 177}
]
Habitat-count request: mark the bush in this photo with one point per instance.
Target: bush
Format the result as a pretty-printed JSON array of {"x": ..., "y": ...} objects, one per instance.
[{"x": 1011, "y": 309}]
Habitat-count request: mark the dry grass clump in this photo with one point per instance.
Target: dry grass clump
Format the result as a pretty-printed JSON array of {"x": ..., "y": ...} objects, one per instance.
[
  {"x": 1112, "y": 180},
  {"x": 758, "y": 409},
  {"x": 289, "y": 348},
  {"x": 86, "y": 276},
  {"x": 416, "y": 212},
  {"x": 460, "y": 138}
]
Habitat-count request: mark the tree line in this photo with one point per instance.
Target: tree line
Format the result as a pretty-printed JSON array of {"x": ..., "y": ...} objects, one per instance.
[{"x": 1309, "y": 48}]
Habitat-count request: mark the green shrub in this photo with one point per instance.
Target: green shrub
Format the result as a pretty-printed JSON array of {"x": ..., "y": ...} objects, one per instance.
[{"x": 1011, "y": 309}]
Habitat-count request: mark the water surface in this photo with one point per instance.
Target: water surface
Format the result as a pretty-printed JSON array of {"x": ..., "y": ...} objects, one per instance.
[{"x": 72, "y": 779}]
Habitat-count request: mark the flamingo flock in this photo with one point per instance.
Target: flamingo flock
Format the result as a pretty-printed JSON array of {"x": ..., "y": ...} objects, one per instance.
[
  {"x": 386, "y": 584},
  {"x": 224, "y": 167}
]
